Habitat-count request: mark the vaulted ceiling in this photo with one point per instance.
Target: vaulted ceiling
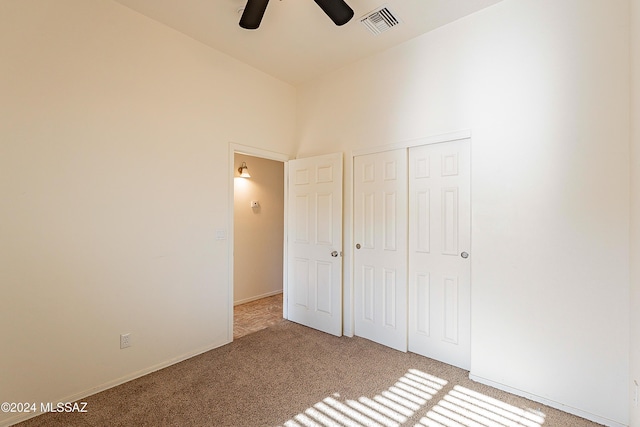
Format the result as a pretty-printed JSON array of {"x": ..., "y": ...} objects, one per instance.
[{"x": 296, "y": 41}]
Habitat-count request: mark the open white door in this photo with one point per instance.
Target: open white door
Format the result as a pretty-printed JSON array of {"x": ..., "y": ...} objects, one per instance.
[{"x": 314, "y": 239}]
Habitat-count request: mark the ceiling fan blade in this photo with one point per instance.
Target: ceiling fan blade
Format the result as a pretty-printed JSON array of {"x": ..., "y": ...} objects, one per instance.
[
  {"x": 252, "y": 15},
  {"x": 339, "y": 12}
]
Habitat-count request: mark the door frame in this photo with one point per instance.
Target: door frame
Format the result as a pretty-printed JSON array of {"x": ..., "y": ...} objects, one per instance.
[
  {"x": 349, "y": 286},
  {"x": 265, "y": 154}
]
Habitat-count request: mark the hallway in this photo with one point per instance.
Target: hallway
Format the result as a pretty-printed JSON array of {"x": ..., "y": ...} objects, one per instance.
[{"x": 256, "y": 315}]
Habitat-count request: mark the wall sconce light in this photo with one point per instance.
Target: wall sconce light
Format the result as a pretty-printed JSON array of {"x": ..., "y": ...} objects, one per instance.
[{"x": 244, "y": 173}]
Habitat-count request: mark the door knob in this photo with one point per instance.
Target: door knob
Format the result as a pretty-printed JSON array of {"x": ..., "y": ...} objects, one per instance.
[
  {"x": 358, "y": 246},
  {"x": 335, "y": 254},
  {"x": 464, "y": 255}
]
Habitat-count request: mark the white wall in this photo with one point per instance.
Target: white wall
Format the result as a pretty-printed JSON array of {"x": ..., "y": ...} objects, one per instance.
[
  {"x": 258, "y": 232},
  {"x": 635, "y": 211},
  {"x": 114, "y": 142},
  {"x": 543, "y": 85}
]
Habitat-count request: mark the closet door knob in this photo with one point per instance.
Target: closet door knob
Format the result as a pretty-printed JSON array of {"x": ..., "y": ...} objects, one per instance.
[
  {"x": 464, "y": 255},
  {"x": 358, "y": 246}
]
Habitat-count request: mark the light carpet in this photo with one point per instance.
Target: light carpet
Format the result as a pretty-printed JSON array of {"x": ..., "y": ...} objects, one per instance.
[{"x": 290, "y": 375}]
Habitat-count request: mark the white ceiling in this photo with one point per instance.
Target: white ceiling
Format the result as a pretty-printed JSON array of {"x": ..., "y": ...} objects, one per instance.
[{"x": 296, "y": 41}]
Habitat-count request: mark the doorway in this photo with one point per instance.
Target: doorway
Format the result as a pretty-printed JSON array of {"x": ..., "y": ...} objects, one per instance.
[{"x": 258, "y": 244}]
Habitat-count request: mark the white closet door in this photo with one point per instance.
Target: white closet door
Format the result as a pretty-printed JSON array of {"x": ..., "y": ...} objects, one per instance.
[
  {"x": 380, "y": 254},
  {"x": 314, "y": 292},
  {"x": 439, "y": 246}
]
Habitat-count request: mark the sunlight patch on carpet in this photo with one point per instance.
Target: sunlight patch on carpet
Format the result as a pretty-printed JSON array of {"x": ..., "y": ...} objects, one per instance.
[
  {"x": 460, "y": 407},
  {"x": 391, "y": 408}
]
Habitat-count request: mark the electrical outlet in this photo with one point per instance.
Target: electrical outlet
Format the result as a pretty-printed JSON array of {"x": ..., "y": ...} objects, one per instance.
[{"x": 125, "y": 340}]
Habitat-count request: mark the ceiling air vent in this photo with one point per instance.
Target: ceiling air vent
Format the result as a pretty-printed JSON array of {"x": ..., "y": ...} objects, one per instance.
[{"x": 379, "y": 20}]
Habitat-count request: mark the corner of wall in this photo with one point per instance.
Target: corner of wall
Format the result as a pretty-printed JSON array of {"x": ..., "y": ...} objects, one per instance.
[{"x": 634, "y": 236}]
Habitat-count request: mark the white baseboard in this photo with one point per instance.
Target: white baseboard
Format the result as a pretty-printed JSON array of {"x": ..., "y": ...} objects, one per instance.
[
  {"x": 257, "y": 297},
  {"x": 578, "y": 412},
  {"x": 110, "y": 384}
]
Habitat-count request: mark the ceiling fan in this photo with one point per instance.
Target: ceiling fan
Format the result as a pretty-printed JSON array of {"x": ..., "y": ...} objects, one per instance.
[{"x": 339, "y": 12}]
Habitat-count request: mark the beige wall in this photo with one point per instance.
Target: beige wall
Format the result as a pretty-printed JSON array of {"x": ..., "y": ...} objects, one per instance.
[
  {"x": 543, "y": 85},
  {"x": 258, "y": 232},
  {"x": 635, "y": 212},
  {"x": 114, "y": 178}
]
